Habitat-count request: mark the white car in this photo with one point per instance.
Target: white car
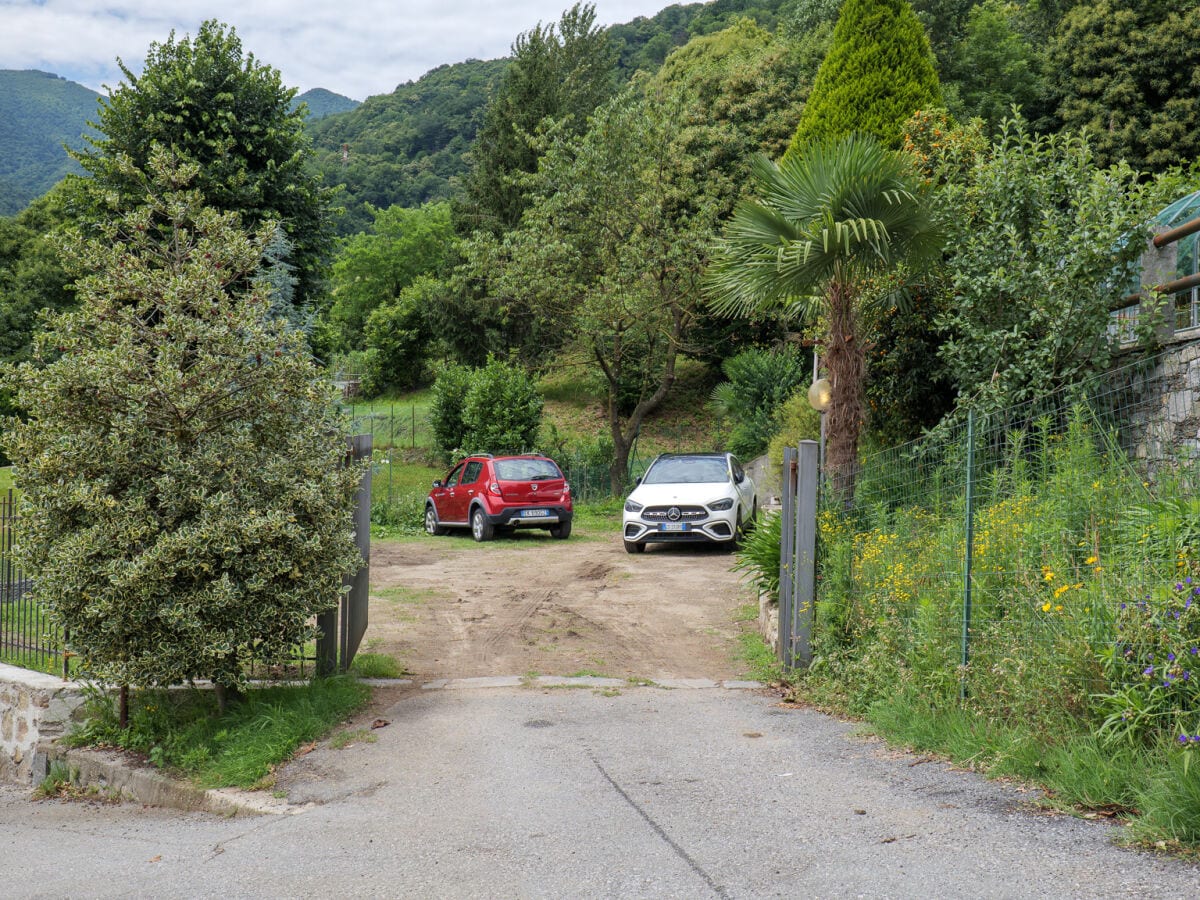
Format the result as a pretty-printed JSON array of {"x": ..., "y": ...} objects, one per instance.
[{"x": 705, "y": 497}]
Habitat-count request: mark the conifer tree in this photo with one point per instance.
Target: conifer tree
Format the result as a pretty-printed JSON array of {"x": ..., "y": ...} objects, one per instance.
[{"x": 878, "y": 72}]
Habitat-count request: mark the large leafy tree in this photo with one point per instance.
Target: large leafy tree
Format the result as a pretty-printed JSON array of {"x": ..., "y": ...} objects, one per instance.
[
  {"x": 185, "y": 503},
  {"x": 212, "y": 104},
  {"x": 1048, "y": 242},
  {"x": 610, "y": 256},
  {"x": 826, "y": 220},
  {"x": 1130, "y": 74},
  {"x": 559, "y": 74},
  {"x": 31, "y": 276},
  {"x": 375, "y": 266},
  {"x": 737, "y": 92},
  {"x": 995, "y": 66},
  {"x": 878, "y": 72}
]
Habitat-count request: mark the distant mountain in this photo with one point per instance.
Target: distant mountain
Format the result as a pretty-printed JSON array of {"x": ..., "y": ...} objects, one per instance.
[
  {"x": 322, "y": 103},
  {"x": 39, "y": 113}
]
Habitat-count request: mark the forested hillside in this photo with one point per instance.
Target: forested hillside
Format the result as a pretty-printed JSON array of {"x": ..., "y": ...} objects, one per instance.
[
  {"x": 39, "y": 112},
  {"x": 409, "y": 147},
  {"x": 406, "y": 147}
]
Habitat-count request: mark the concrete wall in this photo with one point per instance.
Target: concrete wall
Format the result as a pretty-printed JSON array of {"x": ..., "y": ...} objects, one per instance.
[{"x": 33, "y": 707}]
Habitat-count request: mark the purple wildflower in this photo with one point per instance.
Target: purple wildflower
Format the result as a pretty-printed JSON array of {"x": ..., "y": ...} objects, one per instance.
[
  {"x": 1149, "y": 670},
  {"x": 1183, "y": 739},
  {"x": 1170, "y": 657}
]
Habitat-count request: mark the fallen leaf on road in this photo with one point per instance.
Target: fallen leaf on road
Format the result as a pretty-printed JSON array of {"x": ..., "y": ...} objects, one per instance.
[{"x": 380, "y": 723}]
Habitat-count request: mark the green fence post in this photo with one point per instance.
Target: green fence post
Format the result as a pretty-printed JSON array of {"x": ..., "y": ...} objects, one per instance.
[{"x": 968, "y": 554}]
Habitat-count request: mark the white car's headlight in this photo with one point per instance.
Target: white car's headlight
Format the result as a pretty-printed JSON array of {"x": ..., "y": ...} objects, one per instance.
[
  {"x": 632, "y": 506},
  {"x": 718, "y": 505}
]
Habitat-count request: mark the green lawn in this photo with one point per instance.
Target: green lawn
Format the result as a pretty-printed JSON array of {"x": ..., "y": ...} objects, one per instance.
[{"x": 6, "y": 479}]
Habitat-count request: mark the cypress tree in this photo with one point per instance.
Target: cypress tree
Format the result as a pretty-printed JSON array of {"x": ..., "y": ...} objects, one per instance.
[{"x": 878, "y": 72}]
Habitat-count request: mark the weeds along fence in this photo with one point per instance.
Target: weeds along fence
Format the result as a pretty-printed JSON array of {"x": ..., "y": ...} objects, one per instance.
[{"x": 1038, "y": 562}]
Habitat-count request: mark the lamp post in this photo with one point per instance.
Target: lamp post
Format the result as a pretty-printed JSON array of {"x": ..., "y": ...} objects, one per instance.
[{"x": 820, "y": 393}]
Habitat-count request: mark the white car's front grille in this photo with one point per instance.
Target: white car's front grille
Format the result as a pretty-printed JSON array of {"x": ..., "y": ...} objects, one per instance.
[{"x": 674, "y": 513}]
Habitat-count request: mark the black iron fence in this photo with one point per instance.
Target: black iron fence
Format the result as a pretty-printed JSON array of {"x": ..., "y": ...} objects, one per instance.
[{"x": 27, "y": 637}]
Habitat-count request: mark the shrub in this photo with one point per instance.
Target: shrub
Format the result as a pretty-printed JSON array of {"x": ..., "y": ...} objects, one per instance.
[
  {"x": 185, "y": 506},
  {"x": 446, "y": 408},
  {"x": 502, "y": 410},
  {"x": 759, "y": 383},
  {"x": 495, "y": 409}
]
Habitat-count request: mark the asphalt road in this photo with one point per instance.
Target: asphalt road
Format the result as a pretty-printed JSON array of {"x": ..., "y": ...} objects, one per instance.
[{"x": 517, "y": 792}]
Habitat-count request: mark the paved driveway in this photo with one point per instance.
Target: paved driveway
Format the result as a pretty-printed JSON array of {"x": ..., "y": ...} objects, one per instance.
[{"x": 520, "y": 792}]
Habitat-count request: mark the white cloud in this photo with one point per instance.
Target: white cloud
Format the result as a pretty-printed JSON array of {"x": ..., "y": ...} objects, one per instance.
[{"x": 354, "y": 47}]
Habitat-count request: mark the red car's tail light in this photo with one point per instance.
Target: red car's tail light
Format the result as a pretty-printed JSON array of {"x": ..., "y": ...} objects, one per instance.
[{"x": 494, "y": 488}]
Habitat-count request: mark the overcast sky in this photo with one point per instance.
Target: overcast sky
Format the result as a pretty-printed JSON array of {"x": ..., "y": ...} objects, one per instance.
[{"x": 353, "y": 47}]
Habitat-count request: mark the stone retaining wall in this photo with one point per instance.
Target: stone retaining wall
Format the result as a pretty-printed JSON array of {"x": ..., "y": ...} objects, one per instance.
[
  {"x": 33, "y": 707},
  {"x": 1165, "y": 400}
]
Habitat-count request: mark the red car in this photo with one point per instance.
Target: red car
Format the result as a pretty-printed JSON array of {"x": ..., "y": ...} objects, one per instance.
[{"x": 498, "y": 493}]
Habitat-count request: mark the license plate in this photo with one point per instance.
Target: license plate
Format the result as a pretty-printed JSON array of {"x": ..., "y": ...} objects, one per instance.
[
  {"x": 673, "y": 526},
  {"x": 535, "y": 513}
]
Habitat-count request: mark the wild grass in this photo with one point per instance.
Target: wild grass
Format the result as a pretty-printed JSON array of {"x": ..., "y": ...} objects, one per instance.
[
  {"x": 181, "y": 730},
  {"x": 6, "y": 479},
  {"x": 1083, "y": 629},
  {"x": 376, "y": 665}
]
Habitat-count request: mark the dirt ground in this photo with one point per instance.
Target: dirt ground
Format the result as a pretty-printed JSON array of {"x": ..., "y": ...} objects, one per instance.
[{"x": 448, "y": 607}]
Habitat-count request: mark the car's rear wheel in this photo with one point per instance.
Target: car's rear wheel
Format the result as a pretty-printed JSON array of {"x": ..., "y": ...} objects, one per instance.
[
  {"x": 562, "y": 530},
  {"x": 634, "y": 547},
  {"x": 481, "y": 528},
  {"x": 431, "y": 522}
]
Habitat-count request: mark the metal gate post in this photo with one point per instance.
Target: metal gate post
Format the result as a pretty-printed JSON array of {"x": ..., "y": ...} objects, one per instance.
[
  {"x": 342, "y": 628},
  {"x": 787, "y": 546},
  {"x": 804, "y": 561}
]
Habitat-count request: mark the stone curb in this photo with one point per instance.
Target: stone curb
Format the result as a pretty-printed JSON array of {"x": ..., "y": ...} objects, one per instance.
[
  {"x": 576, "y": 681},
  {"x": 115, "y": 775}
]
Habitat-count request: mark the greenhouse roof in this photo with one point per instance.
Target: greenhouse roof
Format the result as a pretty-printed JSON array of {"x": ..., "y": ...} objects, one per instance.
[{"x": 1182, "y": 210}]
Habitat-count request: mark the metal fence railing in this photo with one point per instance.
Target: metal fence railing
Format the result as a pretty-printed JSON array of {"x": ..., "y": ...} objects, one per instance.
[
  {"x": 997, "y": 561},
  {"x": 27, "y": 637}
]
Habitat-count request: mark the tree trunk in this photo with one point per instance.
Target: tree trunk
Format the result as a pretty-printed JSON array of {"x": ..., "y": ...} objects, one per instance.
[
  {"x": 225, "y": 696},
  {"x": 845, "y": 361},
  {"x": 624, "y": 433},
  {"x": 123, "y": 706}
]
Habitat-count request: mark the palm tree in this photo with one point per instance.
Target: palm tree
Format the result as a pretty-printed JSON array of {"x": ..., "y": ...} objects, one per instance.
[{"x": 830, "y": 217}]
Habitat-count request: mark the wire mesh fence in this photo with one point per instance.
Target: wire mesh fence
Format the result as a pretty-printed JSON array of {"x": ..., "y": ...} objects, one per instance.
[
  {"x": 1027, "y": 561},
  {"x": 391, "y": 425}
]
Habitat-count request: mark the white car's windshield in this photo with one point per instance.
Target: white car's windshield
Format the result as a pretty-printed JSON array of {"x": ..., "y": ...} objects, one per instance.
[{"x": 688, "y": 470}]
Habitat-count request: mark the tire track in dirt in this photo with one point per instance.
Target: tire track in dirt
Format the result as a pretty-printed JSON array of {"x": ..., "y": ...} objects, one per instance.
[{"x": 528, "y": 603}]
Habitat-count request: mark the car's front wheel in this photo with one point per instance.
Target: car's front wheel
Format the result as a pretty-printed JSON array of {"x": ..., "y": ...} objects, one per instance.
[
  {"x": 431, "y": 522},
  {"x": 634, "y": 547},
  {"x": 481, "y": 528},
  {"x": 739, "y": 533}
]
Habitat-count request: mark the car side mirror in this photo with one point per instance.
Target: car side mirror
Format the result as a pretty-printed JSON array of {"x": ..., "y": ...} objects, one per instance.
[
  {"x": 437, "y": 483},
  {"x": 739, "y": 477},
  {"x": 637, "y": 481}
]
